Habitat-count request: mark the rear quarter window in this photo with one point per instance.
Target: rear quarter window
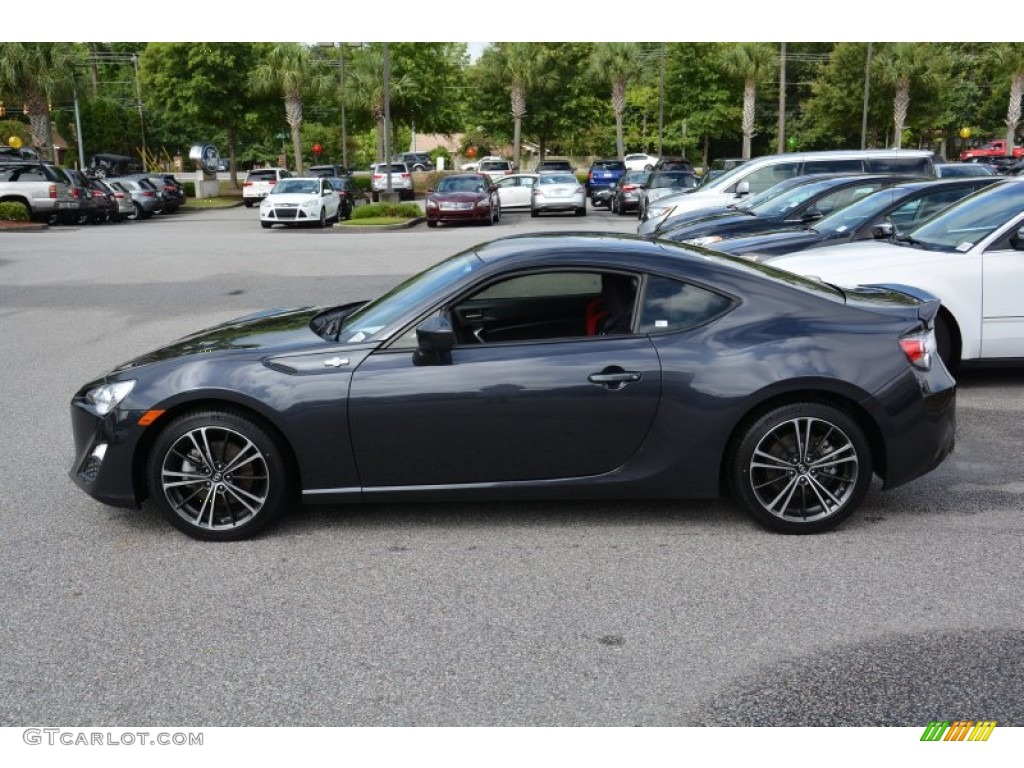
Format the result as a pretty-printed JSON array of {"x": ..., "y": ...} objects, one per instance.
[{"x": 671, "y": 305}]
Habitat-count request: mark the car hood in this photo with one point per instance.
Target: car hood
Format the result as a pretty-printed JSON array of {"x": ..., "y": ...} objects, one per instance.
[
  {"x": 851, "y": 263},
  {"x": 295, "y": 198},
  {"x": 774, "y": 240},
  {"x": 270, "y": 331},
  {"x": 457, "y": 197}
]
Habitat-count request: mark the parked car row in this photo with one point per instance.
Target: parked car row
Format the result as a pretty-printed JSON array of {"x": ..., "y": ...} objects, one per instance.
[{"x": 58, "y": 195}]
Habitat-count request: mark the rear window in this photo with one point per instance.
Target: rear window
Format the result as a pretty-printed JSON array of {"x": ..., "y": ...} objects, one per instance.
[
  {"x": 495, "y": 165},
  {"x": 395, "y": 168},
  {"x": 262, "y": 176},
  {"x": 608, "y": 165}
]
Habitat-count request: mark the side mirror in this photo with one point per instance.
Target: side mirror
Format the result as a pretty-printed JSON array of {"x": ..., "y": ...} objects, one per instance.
[
  {"x": 1017, "y": 240},
  {"x": 883, "y": 231},
  {"x": 743, "y": 188},
  {"x": 434, "y": 341},
  {"x": 430, "y": 190}
]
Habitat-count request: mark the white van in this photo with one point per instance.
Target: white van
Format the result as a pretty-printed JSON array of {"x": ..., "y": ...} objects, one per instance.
[{"x": 760, "y": 173}]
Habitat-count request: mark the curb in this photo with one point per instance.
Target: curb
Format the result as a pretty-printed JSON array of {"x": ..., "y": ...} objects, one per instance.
[
  {"x": 350, "y": 229},
  {"x": 23, "y": 226}
]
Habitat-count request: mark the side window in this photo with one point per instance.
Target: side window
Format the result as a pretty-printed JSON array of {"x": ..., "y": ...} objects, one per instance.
[
  {"x": 670, "y": 305},
  {"x": 834, "y": 166},
  {"x": 840, "y": 199},
  {"x": 547, "y": 305},
  {"x": 768, "y": 176},
  {"x": 919, "y": 166}
]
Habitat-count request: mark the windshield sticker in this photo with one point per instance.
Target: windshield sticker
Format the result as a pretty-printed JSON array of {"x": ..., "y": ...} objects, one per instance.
[
  {"x": 965, "y": 247},
  {"x": 841, "y": 229}
]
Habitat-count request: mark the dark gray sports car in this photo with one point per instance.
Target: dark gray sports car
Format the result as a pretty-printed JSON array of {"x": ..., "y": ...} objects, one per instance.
[{"x": 567, "y": 366}]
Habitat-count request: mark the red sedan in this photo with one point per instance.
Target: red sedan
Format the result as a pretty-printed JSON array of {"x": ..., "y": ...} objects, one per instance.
[{"x": 464, "y": 197}]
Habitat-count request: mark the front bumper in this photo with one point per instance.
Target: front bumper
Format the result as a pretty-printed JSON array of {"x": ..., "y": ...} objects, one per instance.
[{"x": 105, "y": 447}]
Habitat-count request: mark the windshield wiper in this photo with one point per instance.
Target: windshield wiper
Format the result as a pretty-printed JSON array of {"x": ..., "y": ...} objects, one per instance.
[{"x": 905, "y": 239}]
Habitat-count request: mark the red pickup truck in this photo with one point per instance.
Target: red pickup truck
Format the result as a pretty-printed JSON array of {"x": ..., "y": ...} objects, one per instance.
[{"x": 996, "y": 148}]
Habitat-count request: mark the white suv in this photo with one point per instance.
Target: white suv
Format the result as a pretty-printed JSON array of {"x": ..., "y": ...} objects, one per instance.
[
  {"x": 259, "y": 182},
  {"x": 401, "y": 180}
]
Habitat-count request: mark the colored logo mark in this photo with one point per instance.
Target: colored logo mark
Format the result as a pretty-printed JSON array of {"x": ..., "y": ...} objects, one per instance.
[{"x": 958, "y": 730}]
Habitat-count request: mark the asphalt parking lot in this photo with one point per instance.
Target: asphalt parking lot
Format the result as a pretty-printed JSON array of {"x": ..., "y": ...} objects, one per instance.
[{"x": 596, "y": 614}]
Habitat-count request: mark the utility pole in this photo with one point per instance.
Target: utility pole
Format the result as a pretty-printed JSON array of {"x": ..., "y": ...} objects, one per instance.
[
  {"x": 138, "y": 100},
  {"x": 661, "y": 104},
  {"x": 387, "y": 121},
  {"x": 782, "y": 99},
  {"x": 867, "y": 91}
]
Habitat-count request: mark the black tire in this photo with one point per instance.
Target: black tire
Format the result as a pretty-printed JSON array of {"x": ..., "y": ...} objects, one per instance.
[
  {"x": 136, "y": 214},
  {"x": 581, "y": 211},
  {"x": 947, "y": 343},
  {"x": 534, "y": 213},
  {"x": 248, "y": 203},
  {"x": 431, "y": 223},
  {"x": 218, "y": 475},
  {"x": 801, "y": 468},
  {"x": 375, "y": 197},
  {"x": 266, "y": 224},
  {"x": 613, "y": 206},
  {"x": 323, "y": 218}
]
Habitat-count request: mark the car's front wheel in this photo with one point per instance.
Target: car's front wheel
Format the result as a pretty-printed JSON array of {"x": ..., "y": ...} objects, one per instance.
[
  {"x": 323, "y": 217},
  {"x": 801, "y": 468},
  {"x": 218, "y": 475},
  {"x": 248, "y": 203}
]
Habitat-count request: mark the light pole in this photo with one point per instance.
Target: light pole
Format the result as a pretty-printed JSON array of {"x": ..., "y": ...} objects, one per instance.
[{"x": 387, "y": 121}]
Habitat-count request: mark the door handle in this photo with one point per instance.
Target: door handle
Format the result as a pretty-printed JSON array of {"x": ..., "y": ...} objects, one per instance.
[{"x": 614, "y": 379}]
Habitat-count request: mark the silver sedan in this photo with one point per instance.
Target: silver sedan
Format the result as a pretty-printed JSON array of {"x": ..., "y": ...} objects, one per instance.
[{"x": 558, "y": 191}]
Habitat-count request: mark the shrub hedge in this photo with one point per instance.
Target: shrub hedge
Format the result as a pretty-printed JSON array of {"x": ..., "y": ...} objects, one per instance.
[{"x": 13, "y": 212}]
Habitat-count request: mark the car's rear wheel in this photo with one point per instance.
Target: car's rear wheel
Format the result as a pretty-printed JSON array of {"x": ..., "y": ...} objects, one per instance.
[
  {"x": 581, "y": 211},
  {"x": 431, "y": 223},
  {"x": 248, "y": 203},
  {"x": 801, "y": 468},
  {"x": 218, "y": 475}
]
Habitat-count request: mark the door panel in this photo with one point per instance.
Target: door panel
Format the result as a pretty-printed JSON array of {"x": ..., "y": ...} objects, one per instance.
[{"x": 504, "y": 412}]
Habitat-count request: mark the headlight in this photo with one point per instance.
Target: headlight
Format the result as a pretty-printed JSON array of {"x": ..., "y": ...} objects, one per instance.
[
  {"x": 709, "y": 240},
  {"x": 431, "y": 203},
  {"x": 658, "y": 211},
  {"x": 106, "y": 397},
  {"x": 485, "y": 203},
  {"x": 311, "y": 203}
]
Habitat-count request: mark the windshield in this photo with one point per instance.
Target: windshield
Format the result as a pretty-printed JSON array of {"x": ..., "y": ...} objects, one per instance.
[
  {"x": 296, "y": 186},
  {"x": 865, "y": 209},
  {"x": 790, "y": 199},
  {"x": 371, "y": 322},
  {"x": 462, "y": 184},
  {"x": 972, "y": 220},
  {"x": 558, "y": 178}
]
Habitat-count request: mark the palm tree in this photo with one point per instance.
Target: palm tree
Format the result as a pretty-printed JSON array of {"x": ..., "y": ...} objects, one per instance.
[
  {"x": 899, "y": 65},
  {"x": 39, "y": 73},
  {"x": 751, "y": 62},
  {"x": 1009, "y": 59},
  {"x": 522, "y": 66},
  {"x": 365, "y": 87},
  {"x": 617, "y": 62},
  {"x": 289, "y": 69}
]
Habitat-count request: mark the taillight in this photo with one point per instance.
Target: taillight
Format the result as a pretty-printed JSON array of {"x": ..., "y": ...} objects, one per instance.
[
  {"x": 918, "y": 348},
  {"x": 246, "y": 183},
  {"x": 53, "y": 191},
  {"x": 273, "y": 182},
  {"x": 629, "y": 187}
]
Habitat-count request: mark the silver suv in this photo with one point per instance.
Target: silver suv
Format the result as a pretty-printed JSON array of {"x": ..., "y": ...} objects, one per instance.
[
  {"x": 401, "y": 180},
  {"x": 44, "y": 189}
]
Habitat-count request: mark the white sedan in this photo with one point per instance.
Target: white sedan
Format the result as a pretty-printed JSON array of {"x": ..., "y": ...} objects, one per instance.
[
  {"x": 638, "y": 161},
  {"x": 300, "y": 201},
  {"x": 971, "y": 256},
  {"x": 516, "y": 190}
]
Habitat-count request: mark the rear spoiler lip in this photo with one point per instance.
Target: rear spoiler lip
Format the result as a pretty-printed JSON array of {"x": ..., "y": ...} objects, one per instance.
[{"x": 927, "y": 310}]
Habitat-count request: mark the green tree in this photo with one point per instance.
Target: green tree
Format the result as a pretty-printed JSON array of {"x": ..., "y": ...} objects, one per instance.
[
  {"x": 1009, "y": 61},
  {"x": 698, "y": 98},
  {"x": 291, "y": 70},
  {"x": 205, "y": 85},
  {"x": 365, "y": 87},
  {"x": 617, "y": 63},
  {"x": 521, "y": 66},
  {"x": 39, "y": 73},
  {"x": 899, "y": 65},
  {"x": 751, "y": 62}
]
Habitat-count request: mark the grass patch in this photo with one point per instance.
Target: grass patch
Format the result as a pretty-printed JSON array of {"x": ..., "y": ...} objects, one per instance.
[{"x": 400, "y": 211}]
